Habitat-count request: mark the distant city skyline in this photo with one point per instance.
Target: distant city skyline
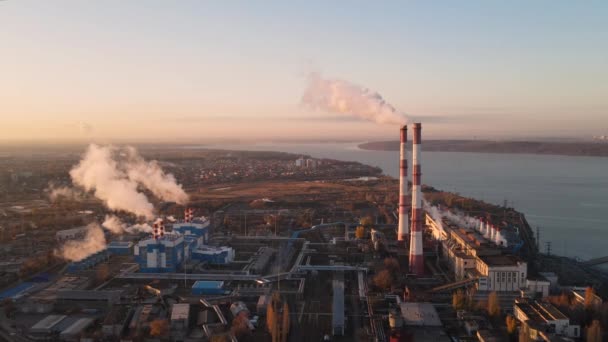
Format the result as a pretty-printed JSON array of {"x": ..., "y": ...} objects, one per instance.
[{"x": 113, "y": 71}]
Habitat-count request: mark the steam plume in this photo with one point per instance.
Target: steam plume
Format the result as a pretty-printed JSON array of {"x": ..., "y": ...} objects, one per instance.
[
  {"x": 115, "y": 180},
  {"x": 63, "y": 192},
  {"x": 343, "y": 97},
  {"x": 76, "y": 250},
  {"x": 150, "y": 175},
  {"x": 113, "y": 224},
  {"x": 116, "y": 226}
]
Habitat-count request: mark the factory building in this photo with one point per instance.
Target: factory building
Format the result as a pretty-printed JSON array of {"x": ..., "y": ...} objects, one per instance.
[
  {"x": 544, "y": 319},
  {"x": 197, "y": 228},
  {"x": 214, "y": 255},
  {"x": 472, "y": 256},
  {"x": 120, "y": 247},
  {"x": 165, "y": 254}
]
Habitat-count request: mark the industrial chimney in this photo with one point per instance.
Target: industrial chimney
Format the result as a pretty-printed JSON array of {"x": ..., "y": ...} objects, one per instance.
[
  {"x": 416, "y": 255},
  {"x": 403, "y": 228}
]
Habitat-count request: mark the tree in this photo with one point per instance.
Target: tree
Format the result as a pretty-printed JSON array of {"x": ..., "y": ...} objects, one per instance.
[
  {"x": 493, "y": 305},
  {"x": 366, "y": 221},
  {"x": 240, "y": 325},
  {"x": 102, "y": 273},
  {"x": 458, "y": 300},
  {"x": 524, "y": 333},
  {"x": 277, "y": 318},
  {"x": 383, "y": 279},
  {"x": 159, "y": 327},
  {"x": 589, "y": 298},
  {"x": 511, "y": 325},
  {"x": 360, "y": 232},
  {"x": 594, "y": 332},
  {"x": 392, "y": 265}
]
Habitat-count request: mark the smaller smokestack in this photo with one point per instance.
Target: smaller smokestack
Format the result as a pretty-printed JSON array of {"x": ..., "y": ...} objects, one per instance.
[
  {"x": 403, "y": 227},
  {"x": 188, "y": 215}
]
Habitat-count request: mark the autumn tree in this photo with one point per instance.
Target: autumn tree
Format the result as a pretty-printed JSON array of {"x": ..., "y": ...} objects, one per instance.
[
  {"x": 493, "y": 305},
  {"x": 458, "y": 300},
  {"x": 277, "y": 318},
  {"x": 159, "y": 327},
  {"x": 360, "y": 232},
  {"x": 383, "y": 279},
  {"x": 511, "y": 325},
  {"x": 524, "y": 333},
  {"x": 240, "y": 326},
  {"x": 392, "y": 265},
  {"x": 594, "y": 332},
  {"x": 589, "y": 298},
  {"x": 102, "y": 273},
  {"x": 366, "y": 221}
]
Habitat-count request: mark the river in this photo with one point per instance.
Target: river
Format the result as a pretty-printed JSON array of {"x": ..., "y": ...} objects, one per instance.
[{"x": 567, "y": 197}]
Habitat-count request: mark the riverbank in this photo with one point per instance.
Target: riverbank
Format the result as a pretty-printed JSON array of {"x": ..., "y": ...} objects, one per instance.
[{"x": 592, "y": 149}]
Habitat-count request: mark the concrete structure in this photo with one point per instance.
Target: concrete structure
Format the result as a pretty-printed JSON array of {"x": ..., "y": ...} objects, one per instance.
[
  {"x": 544, "y": 317},
  {"x": 164, "y": 254},
  {"x": 416, "y": 249},
  {"x": 538, "y": 287},
  {"x": 180, "y": 317},
  {"x": 403, "y": 227},
  {"x": 214, "y": 255},
  {"x": 420, "y": 314},
  {"x": 75, "y": 330},
  {"x": 338, "y": 319},
  {"x": 501, "y": 273},
  {"x": 120, "y": 247},
  {"x": 70, "y": 234},
  {"x": 206, "y": 287},
  {"x": 46, "y": 325}
]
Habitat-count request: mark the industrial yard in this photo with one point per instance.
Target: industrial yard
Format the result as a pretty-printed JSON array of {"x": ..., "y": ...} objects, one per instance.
[{"x": 290, "y": 250}]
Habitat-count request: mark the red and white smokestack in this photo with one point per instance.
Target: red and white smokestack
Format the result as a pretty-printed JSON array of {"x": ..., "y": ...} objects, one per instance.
[
  {"x": 403, "y": 228},
  {"x": 156, "y": 232},
  {"x": 416, "y": 253},
  {"x": 188, "y": 215}
]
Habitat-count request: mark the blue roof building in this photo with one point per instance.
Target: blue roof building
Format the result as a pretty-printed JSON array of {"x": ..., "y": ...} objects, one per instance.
[{"x": 204, "y": 287}]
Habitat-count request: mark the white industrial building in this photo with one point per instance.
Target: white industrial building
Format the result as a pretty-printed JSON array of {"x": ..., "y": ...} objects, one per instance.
[{"x": 544, "y": 319}]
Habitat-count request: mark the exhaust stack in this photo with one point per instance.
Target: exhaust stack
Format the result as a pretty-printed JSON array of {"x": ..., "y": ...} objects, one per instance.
[
  {"x": 416, "y": 254},
  {"x": 403, "y": 228}
]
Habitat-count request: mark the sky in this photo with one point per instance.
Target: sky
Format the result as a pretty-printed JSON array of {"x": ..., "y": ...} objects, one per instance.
[{"x": 116, "y": 70}]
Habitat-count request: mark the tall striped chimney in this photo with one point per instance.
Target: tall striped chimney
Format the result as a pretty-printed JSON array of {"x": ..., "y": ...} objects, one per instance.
[
  {"x": 403, "y": 228},
  {"x": 416, "y": 254}
]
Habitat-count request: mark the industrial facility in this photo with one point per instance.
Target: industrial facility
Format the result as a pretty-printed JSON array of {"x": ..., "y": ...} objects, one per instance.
[{"x": 261, "y": 269}]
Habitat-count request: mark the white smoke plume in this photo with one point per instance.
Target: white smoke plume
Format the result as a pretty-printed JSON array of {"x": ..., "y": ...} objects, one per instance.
[
  {"x": 114, "y": 224},
  {"x": 76, "y": 250},
  {"x": 63, "y": 192},
  {"x": 343, "y": 97},
  {"x": 459, "y": 218},
  {"x": 115, "y": 180},
  {"x": 149, "y": 174},
  {"x": 139, "y": 228}
]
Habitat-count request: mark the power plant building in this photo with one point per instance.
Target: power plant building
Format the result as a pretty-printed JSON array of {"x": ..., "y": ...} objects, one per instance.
[{"x": 160, "y": 255}]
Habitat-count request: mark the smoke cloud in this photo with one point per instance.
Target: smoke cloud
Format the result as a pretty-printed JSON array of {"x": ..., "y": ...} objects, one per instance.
[
  {"x": 343, "y": 97},
  {"x": 63, "y": 192},
  {"x": 115, "y": 180},
  {"x": 150, "y": 175},
  {"x": 113, "y": 224},
  {"x": 76, "y": 250}
]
